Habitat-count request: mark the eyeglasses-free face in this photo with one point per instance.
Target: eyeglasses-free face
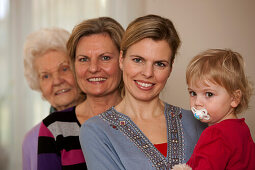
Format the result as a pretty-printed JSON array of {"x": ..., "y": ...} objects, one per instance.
[
  {"x": 56, "y": 79},
  {"x": 146, "y": 68},
  {"x": 96, "y": 65}
]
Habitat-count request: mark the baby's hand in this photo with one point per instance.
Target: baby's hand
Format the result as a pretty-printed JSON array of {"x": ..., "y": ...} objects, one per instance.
[{"x": 181, "y": 167}]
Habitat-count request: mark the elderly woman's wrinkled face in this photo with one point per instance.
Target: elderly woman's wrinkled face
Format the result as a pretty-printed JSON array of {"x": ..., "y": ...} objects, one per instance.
[
  {"x": 56, "y": 79},
  {"x": 96, "y": 65}
]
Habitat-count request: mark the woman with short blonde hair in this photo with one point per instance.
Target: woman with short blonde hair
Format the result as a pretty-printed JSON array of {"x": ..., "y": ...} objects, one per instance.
[{"x": 94, "y": 48}]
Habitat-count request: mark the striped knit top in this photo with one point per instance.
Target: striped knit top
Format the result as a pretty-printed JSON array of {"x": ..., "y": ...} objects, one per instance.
[{"x": 58, "y": 144}]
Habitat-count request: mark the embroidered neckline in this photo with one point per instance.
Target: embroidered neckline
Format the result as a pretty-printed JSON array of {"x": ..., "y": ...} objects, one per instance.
[{"x": 175, "y": 144}]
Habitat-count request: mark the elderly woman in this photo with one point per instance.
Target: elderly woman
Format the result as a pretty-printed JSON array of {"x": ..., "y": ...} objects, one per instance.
[
  {"x": 142, "y": 131},
  {"x": 47, "y": 70},
  {"x": 94, "y": 48}
]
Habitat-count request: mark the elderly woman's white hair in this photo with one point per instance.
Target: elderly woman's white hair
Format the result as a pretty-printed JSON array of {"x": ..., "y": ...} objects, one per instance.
[{"x": 37, "y": 44}]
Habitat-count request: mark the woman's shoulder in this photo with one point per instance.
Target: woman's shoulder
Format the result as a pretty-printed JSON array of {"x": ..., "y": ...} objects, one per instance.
[
  {"x": 94, "y": 128},
  {"x": 62, "y": 123},
  {"x": 67, "y": 115},
  {"x": 97, "y": 120},
  {"x": 31, "y": 135},
  {"x": 98, "y": 124}
]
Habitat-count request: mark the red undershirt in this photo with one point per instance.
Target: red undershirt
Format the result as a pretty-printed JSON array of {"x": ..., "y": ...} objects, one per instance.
[{"x": 162, "y": 147}]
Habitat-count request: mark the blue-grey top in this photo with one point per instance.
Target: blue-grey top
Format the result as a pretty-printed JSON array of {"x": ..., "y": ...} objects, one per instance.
[{"x": 111, "y": 140}]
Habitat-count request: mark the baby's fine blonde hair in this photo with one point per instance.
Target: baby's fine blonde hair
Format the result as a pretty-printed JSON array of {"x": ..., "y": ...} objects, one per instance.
[{"x": 224, "y": 67}]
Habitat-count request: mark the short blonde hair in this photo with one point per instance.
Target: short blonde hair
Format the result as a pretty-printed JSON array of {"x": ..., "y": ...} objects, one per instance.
[
  {"x": 154, "y": 27},
  {"x": 224, "y": 67},
  {"x": 37, "y": 44},
  {"x": 94, "y": 26}
]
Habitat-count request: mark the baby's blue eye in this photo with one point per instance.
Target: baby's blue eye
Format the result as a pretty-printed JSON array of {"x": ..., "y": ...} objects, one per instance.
[
  {"x": 192, "y": 93},
  {"x": 209, "y": 94}
]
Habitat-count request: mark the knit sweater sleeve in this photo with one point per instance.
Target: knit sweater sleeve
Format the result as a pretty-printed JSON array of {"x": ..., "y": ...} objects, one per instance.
[{"x": 48, "y": 155}]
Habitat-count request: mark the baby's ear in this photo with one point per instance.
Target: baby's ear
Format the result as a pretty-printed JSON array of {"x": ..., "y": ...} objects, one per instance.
[{"x": 237, "y": 95}]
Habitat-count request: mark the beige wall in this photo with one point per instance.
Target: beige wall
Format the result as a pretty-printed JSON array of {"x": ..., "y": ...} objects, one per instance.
[{"x": 204, "y": 24}]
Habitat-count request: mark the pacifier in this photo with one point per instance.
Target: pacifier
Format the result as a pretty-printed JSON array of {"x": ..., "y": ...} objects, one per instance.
[{"x": 200, "y": 114}]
